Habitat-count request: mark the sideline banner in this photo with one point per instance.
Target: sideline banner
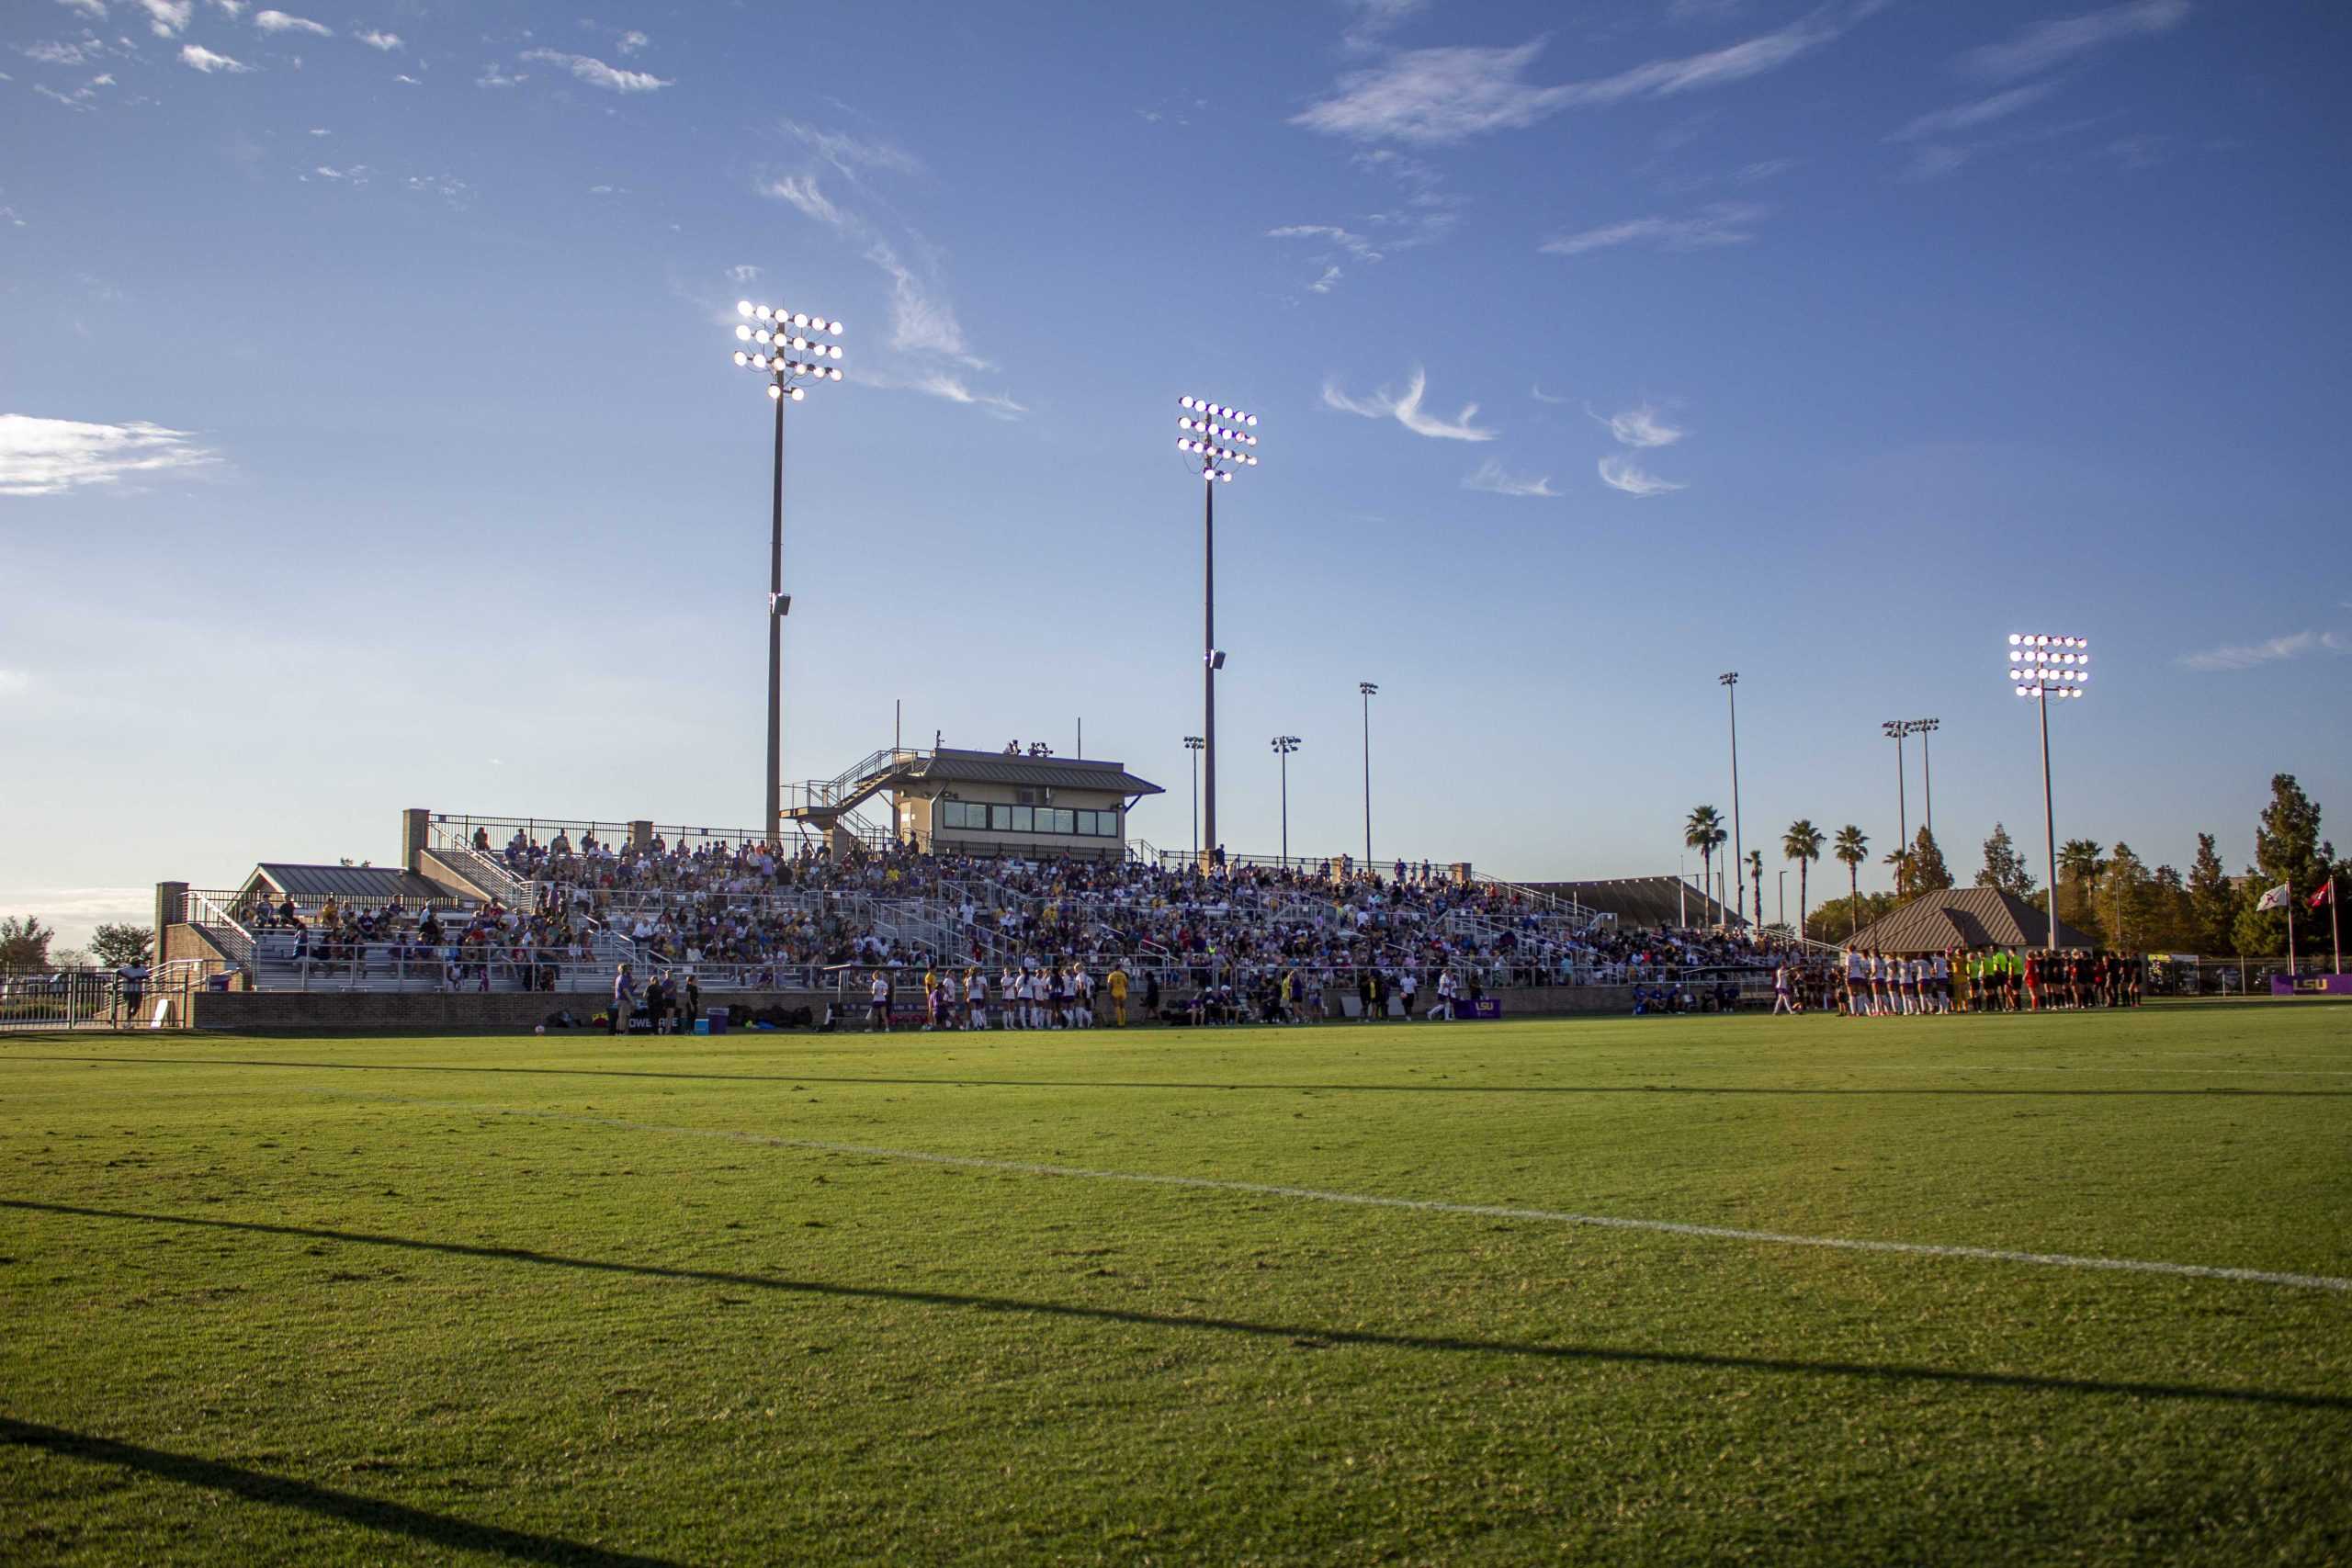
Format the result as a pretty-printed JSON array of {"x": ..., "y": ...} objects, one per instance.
[{"x": 2310, "y": 986}]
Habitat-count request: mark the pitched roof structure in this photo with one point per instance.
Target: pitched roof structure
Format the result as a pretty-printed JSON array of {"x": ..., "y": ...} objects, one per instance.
[
  {"x": 349, "y": 882},
  {"x": 1642, "y": 900},
  {"x": 951, "y": 766},
  {"x": 1963, "y": 917}
]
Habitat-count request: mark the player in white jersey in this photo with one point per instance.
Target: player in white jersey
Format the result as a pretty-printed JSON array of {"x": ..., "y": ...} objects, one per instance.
[
  {"x": 976, "y": 1000},
  {"x": 1857, "y": 989},
  {"x": 1085, "y": 1000},
  {"x": 1940, "y": 970}
]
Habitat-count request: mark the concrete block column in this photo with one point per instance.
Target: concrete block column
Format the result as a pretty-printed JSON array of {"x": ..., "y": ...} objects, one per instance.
[
  {"x": 641, "y": 836},
  {"x": 416, "y": 828},
  {"x": 171, "y": 910}
]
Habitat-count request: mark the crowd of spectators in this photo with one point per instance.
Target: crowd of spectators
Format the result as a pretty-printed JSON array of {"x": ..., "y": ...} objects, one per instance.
[{"x": 748, "y": 915}]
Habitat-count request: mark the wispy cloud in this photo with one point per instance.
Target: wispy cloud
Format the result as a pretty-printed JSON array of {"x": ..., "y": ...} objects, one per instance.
[
  {"x": 632, "y": 41},
  {"x": 850, "y": 155},
  {"x": 167, "y": 18},
  {"x": 204, "y": 60},
  {"x": 2044, "y": 45},
  {"x": 952, "y": 388},
  {"x": 94, "y": 9},
  {"x": 1490, "y": 477},
  {"x": 1439, "y": 96},
  {"x": 1983, "y": 112},
  {"x": 1375, "y": 20},
  {"x": 597, "y": 74},
  {"x": 46, "y": 456},
  {"x": 2246, "y": 656},
  {"x": 920, "y": 321},
  {"x": 1622, "y": 473},
  {"x": 1640, "y": 427},
  {"x": 1721, "y": 223},
  {"x": 55, "y": 52},
  {"x": 801, "y": 191},
  {"x": 1355, "y": 244},
  {"x": 495, "y": 75},
  {"x": 1540, "y": 396},
  {"x": 923, "y": 324},
  {"x": 383, "y": 40},
  {"x": 279, "y": 22},
  {"x": 742, "y": 273},
  {"x": 1407, "y": 411},
  {"x": 1325, "y": 283}
]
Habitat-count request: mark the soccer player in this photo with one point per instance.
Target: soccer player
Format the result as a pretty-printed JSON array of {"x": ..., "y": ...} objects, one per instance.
[
  {"x": 1781, "y": 1002},
  {"x": 1117, "y": 984},
  {"x": 976, "y": 1000},
  {"x": 878, "y": 1004}
]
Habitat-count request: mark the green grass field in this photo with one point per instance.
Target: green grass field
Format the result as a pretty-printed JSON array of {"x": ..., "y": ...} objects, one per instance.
[{"x": 572, "y": 1299}]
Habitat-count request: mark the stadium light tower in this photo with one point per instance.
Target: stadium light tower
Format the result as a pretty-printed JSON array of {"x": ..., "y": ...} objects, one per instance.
[
  {"x": 2043, "y": 667},
  {"x": 1896, "y": 728},
  {"x": 1729, "y": 682},
  {"x": 785, "y": 348},
  {"x": 1923, "y": 727},
  {"x": 1284, "y": 746},
  {"x": 1220, "y": 437},
  {"x": 1193, "y": 743},
  {"x": 1369, "y": 690}
]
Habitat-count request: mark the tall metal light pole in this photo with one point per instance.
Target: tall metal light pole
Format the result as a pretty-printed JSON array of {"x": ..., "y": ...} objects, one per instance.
[
  {"x": 787, "y": 351},
  {"x": 2041, "y": 667},
  {"x": 1781, "y": 906},
  {"x": 1896, "y": 728},
  {"x": 1216, "y": 435},
  {"x": 1193, "y": 743},
  {"x": 1284, "y": 746},
  {"x": 1729, "y": 682},
  {"x": 1923, "y": 727},
  {"x": 1369, "y": 690}
]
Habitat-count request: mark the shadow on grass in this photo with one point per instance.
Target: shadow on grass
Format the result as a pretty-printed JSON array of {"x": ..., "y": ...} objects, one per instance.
[
  {"x": 257, "y": 1486},
  {"x": 1305, "y": 1337},
  {"x": 956, "y": 1082}
]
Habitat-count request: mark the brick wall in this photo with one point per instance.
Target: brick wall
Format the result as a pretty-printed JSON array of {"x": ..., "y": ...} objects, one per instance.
[{"x": 433, "y": 1011}]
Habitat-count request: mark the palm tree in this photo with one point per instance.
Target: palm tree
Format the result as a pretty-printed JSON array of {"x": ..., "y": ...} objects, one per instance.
[
  {"x": 1755, "y": 881},
  {"x": 2080, "y": 858},
  {"x": 1704, "y": 832},
  {"x": 1900, "y": 859},
  {"x": 1853, "y": 847},
  {"x": 1801, "y": 843}
]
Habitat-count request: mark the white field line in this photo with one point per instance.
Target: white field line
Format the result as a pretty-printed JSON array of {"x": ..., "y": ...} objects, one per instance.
[{"x": 1437, "y": 1206}]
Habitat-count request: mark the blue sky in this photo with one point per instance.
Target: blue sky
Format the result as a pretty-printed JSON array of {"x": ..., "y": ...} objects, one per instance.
[{"x": 371, "y": 440}]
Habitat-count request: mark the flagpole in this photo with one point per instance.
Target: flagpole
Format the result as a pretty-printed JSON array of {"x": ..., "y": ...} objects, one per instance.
[
  {"x": 2334, "y": 928},
  {"x": 2291, "y": 937}
]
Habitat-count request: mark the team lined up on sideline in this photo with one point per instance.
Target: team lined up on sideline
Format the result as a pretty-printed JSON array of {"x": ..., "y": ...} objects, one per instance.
[{"x": 1879, "y": 985}]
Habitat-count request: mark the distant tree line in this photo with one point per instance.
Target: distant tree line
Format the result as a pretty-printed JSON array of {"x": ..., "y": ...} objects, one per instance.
[
  {"x": 2110, "y": 893},
  {"x": 27, "y": 944}
]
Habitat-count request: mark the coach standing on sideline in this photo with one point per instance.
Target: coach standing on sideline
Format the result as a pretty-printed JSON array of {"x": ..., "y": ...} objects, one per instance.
[{"x": 624, "y": 1000}]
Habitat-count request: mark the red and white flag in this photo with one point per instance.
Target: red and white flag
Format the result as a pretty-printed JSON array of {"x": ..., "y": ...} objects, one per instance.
[{"x": 2326, "y": 894}]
